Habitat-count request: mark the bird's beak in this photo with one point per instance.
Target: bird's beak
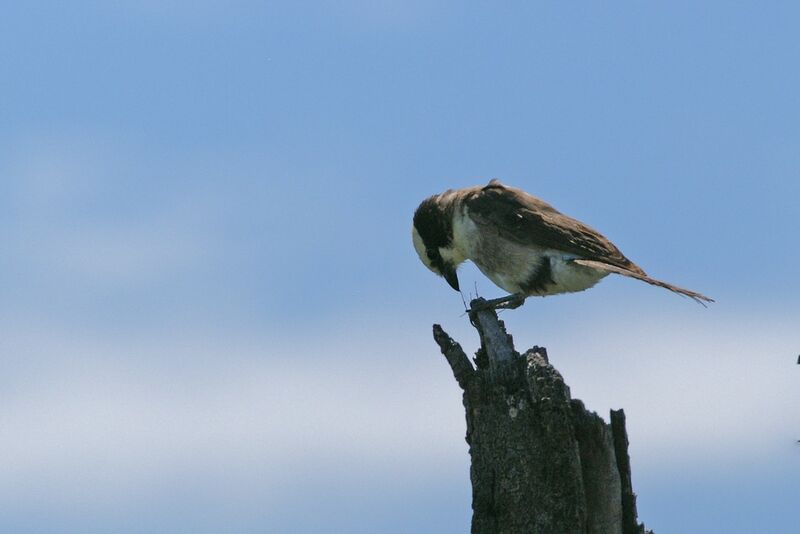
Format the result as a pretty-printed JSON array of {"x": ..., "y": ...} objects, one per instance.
[{"x": 451, "y": 277}]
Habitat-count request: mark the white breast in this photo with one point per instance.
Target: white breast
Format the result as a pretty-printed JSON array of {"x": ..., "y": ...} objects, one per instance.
[
  {"x": 569, "y": 277},
  {"x": 465, "y": 238},
  {"x": 511, "y": 265}
]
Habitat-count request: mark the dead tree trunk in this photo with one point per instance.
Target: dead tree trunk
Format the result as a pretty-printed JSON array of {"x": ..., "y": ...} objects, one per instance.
[{"x": 541, "y": 463}]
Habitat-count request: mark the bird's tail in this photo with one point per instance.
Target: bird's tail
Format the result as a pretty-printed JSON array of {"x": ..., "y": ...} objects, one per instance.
[{"x": 697, "y": 297}]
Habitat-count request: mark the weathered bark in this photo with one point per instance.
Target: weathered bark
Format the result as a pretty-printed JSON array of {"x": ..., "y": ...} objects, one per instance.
[{"x": 541, "y": 463}]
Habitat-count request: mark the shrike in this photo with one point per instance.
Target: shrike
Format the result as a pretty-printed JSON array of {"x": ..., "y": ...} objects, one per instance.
[{"x": 520, "y": 242}]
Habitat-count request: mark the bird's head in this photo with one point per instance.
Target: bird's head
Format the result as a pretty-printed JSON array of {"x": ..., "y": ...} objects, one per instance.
[{"x": 433, "y": 237}]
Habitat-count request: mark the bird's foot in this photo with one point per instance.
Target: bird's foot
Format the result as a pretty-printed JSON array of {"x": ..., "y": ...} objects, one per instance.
[{"x": 509, "y": 302}]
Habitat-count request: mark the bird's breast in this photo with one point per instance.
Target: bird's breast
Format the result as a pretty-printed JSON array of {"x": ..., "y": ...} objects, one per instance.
[
  {"x": 569, "y": 277},
  {"x": 521, "y": 268}
]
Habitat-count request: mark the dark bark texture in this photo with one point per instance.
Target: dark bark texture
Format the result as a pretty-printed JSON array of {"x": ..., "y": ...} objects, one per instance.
[{"x": 541, "y": 463}]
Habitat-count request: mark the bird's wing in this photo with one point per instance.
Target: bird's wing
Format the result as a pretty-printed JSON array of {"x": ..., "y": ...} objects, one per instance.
[
  {"x": 698, "y": 297},
  {"x": 517, "y": 216}
]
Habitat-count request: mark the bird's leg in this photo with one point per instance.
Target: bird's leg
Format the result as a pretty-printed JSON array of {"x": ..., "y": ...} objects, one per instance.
[{"x": 508, "y": 302}]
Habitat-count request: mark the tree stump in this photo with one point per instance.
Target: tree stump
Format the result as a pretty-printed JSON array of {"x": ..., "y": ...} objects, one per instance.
[{"x": 541, "y": 463}]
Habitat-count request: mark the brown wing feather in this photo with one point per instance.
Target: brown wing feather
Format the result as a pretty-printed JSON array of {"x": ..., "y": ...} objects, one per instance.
[
  {"x": 698, "y": 297},
  {"x": 525, "y": 219}
]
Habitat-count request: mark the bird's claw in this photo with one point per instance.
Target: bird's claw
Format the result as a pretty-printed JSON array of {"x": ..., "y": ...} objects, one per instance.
[{"x": 509, "y": 302}]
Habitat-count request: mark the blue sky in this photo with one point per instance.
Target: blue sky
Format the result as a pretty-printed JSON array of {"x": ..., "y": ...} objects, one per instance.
[{"x": 211, "y": 312}]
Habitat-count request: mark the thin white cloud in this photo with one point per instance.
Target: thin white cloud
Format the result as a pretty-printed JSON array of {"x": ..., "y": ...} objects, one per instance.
[
  {"x": 707, "y": 392},
  {"x": 111, "y": 418},
  {"x": 110, "y": 415}
]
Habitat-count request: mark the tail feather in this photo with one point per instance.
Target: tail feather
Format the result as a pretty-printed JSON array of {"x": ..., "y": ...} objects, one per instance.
[{"x": 697, "y": 297}]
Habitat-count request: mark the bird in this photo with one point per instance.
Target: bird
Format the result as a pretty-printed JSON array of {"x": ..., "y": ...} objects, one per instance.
[{"x": 519, "y": 242}]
